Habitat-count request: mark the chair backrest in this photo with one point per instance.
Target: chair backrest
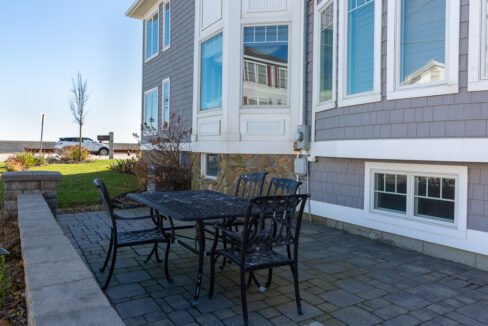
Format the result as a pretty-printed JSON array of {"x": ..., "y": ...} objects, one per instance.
[
  {"x": 271, "y": 222},
  {"x": 105, "y": 197},
  {"x": 283, "y": 187},
  {"x": 250, "y": 185}
]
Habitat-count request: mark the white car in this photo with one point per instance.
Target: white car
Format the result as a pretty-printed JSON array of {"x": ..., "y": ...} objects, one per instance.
[{"x": 91, "y": 145}]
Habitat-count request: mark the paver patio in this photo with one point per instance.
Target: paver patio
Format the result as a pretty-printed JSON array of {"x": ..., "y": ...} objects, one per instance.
[{"x": 345, "y": 279}]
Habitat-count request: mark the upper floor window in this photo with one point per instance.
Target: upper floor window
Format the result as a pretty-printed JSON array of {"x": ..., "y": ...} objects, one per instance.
[
  {"x": 165, "y": 102},
  {"x": 167, "y": 25},
  {"x": 152, "y": 36},
  {"x": 211, "y": 73},
  {"x": 420, "y": 52},
  {"x": 360, "y": 52},
  {"x": 325, "y": 50},
  {"x": 265, "y": 75},
  {"x": 478, "y": 45},
  {"x": 151, "y": 110},
  {"x": 360, "y": 47}
]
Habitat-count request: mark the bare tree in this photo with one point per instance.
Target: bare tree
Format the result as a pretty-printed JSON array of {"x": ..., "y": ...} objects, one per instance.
[{"x": 77, "y": 103}]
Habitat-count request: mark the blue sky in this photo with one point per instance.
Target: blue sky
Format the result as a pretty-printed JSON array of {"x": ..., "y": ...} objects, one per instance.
[{"x": 43, "y": 44}]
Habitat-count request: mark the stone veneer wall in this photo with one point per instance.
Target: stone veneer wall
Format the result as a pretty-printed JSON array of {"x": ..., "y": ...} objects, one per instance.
[{"x": 233, "y": 165}]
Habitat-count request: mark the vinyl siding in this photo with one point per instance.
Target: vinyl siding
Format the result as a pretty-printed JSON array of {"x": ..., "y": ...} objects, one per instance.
[{"x": 175, "y": 63}]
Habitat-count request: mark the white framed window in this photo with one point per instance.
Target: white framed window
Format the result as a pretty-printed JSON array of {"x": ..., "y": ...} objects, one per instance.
[
  {"x": 423, "y": 48},
  {"x": 152, "y": 36},
  {"x": 167, "y": 25},
  {"x": 211, "y": 73},
  {"x": 150, "y": 113},
  {"x": 417, "y": 196},
  {"x": 210, "y": 166},
  {"x": 166, "y": 103},
  {"x": 478, "y": 46},
  {"x": 265, "y": 64},
  {"x": 325, "y": 49},
  {"x": 359, "y": 65}
]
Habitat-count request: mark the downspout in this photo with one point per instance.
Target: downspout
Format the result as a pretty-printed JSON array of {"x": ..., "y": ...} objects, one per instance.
[{"x": 305, "y": 61}]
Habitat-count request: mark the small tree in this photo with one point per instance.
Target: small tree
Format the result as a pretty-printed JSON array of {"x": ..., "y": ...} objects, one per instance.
[{"x": 77, "y": 103}]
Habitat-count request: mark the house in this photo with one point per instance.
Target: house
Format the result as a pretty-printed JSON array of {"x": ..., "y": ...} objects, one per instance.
[{"x": 395, "y": 94}]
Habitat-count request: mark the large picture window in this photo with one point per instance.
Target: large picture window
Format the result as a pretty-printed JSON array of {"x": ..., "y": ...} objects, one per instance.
[
  {"x": 423, "y": 48},
  {"x": 211, "y": 74},
  {"x": 265, "y": 65},
  {"x": 151, "y": 110},
  {"x": 152, "y": 36}
]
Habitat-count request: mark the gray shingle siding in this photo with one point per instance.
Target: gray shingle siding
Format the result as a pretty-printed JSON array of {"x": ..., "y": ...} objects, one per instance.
[
  {"x": 460, "y": 115},
  {"x": 175, "y": 63}
]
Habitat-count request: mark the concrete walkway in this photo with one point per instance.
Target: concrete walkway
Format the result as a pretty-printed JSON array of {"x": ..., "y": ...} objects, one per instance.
[{"x": 345, "y": 279}]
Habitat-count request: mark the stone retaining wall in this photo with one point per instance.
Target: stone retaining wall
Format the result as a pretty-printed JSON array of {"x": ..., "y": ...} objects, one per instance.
[
  {"x": 60, "y": 290},
  {"x": 233, "y": 165},
  {"x": 16, "y": 183}
]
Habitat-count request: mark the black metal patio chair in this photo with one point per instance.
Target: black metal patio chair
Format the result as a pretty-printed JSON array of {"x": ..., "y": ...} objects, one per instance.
[
  {"x": 271, "y": 226},
  {"x": 249, "y": 185},
  {"x": 277, "y": 187},
  {"x": 120, "y": 239}
]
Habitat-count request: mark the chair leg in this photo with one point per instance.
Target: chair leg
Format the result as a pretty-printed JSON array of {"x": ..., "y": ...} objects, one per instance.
[
  {"x": 154, "y": 249},
  {"x": 294, "y": 269},
  {"x": 166, "y": 260},
  {"x": 156, "y": 252},
  {"x": 109, "y": 253},
  {"x": 112, "y": 266},
  {"x": 243, "y": 297},
  {"x": 212, "y": 275},
  {"x": 270, "y": 277}
]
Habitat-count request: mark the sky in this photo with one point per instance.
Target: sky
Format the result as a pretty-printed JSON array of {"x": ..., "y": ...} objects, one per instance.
[{"x": 44, "y": 44}]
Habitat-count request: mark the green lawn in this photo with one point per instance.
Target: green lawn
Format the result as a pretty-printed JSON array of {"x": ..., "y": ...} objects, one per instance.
[{"x": 76, "y": 188}]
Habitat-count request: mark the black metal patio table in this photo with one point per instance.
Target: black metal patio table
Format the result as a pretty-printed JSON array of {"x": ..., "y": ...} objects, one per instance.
[{"x": 193, "y": 206}]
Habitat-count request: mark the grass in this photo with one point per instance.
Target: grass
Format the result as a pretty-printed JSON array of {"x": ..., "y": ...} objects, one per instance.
[{"x": 76, "y": 188}]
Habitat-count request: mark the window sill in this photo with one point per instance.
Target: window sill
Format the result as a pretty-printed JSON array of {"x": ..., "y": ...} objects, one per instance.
[
  {"x": 477, "y": 86},
  {"x": 207, "y": 179},
  {"x": 167, "y": 48},
  {"x": 147, "y": 60},
  {"x": 359, "y": 99},
  {"x": 325, "y": 106},
  {"x": 422, "y": 91}
]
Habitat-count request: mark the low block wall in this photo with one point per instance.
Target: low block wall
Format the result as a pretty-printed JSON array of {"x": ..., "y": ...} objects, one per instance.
[
  {"x": 60, "y": 290},
  {"x": 16, "y": 183},
  {"x": 14, "y": 146}
]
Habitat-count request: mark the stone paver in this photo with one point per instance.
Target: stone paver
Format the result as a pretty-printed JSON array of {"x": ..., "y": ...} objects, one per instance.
[{"x": 345, "y": 280}]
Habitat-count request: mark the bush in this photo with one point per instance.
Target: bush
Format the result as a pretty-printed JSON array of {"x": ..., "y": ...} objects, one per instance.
[
  {"x": 127, "y": 166},
  {"x": 5, "y": 283},
  {"x": 74, "y": 154},
  {"x": 23, "y": 161}
]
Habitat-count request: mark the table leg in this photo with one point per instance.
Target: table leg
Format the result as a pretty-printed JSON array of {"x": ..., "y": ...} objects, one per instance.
[{"x": 201, "y": 253}]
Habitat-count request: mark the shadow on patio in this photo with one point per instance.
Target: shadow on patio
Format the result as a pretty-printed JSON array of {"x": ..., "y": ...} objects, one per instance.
[{"x": 345, "y": 279}]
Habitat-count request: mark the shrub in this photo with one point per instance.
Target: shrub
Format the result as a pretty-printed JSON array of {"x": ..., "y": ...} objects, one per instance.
[
  {"x": 5, "y": 283},
  {"x": 23, "y": 161},
  {"x": 128, "y": 166},
  {"x": 163, "y": 166},
  {"x": 73, "y": 153}
]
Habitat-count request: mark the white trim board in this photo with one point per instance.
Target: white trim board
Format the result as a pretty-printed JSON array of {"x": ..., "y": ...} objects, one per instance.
[
  {"x": 245, "y": 147},
  {"x": 423, "y": 149},
  {"x": 475, "y": 241}
]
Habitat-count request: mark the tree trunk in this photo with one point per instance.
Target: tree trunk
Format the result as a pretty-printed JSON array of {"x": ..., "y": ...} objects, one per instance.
[{"x": 79, "y": 146}]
